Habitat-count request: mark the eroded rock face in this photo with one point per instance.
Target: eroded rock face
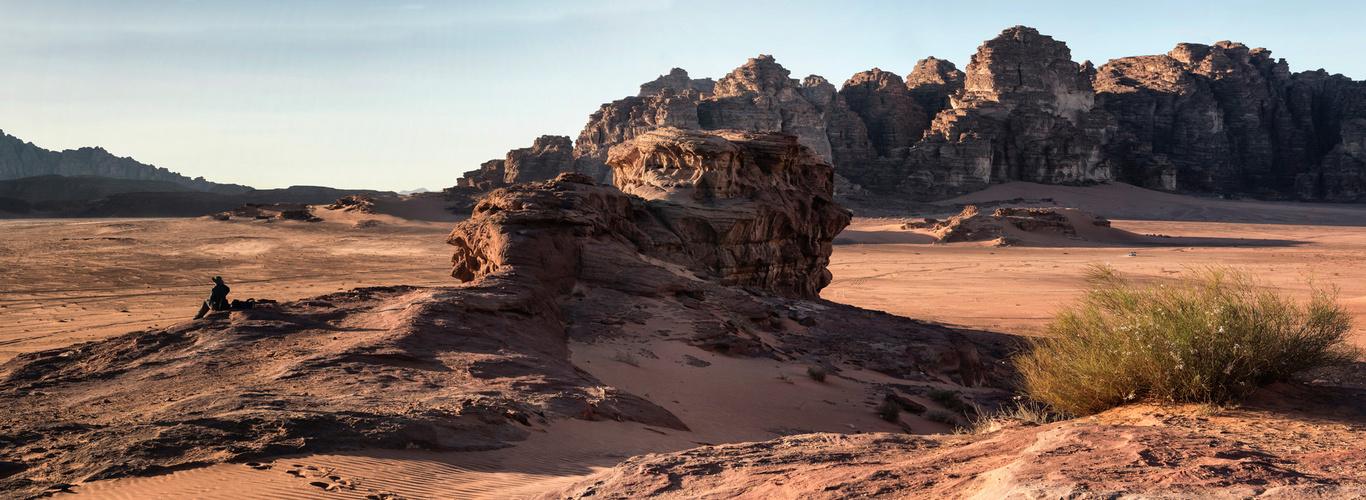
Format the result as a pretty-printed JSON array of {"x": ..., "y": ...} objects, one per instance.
[
  {"x": 546, "y": 158},
  {"x": 1229, "y": 119},
  {"x": 1222, "y": 118},
  {"x": 678, "y": 82},
  {"x": 760, "y": 96},
  {"x": 758, "y": 209},
  {"x": 973, "y": 225},
  {"x": 489, "y": 176},
  {"x": 622, "y": 120},
  {"x": 1026, "y": 113},
  {"x": 893, "y": 119},
  {"x": 1024, "y": 69},
  {"x": 933, "y": 82},
  {"x": 748, "y": 208}
]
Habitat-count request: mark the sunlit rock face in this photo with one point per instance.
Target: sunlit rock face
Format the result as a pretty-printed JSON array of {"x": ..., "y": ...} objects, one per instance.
[
  {"x": 747, "y": 208},
  {"x": 1220, "y": 118}
]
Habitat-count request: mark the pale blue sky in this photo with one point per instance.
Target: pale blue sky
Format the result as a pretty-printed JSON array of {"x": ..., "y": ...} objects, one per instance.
[{"x": 400, "y": 95}]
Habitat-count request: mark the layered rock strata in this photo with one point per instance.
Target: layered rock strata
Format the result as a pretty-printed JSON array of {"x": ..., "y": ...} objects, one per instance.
[
  {"x": 751, "y": 209},
  {"x": 1229, "y": 119},
  {"x": 1218, "y": 119},
  {"x": 547, "y": 157}
]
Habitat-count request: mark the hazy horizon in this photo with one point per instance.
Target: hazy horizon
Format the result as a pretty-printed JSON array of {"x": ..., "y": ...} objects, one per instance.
[{"x": 407, "y": 95}]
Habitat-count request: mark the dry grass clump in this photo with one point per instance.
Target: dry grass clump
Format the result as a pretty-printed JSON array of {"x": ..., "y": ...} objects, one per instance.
[
  {"x": 1213, "y": 337},
  {"x": 1023, "y": 411},
  {"x": 817, "y": 373},
  {"x": 943, "y": 417},
  {"x": 949, "y": 399},
  {"x": 889, "y": 410},
  {"x": 626, "y": 357}
]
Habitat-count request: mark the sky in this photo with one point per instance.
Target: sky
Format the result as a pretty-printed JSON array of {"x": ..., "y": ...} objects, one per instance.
[{"x": 411, "y": 94}]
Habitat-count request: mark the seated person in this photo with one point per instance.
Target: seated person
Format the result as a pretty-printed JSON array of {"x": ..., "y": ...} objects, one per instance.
[{"x": 218, "y": 298}]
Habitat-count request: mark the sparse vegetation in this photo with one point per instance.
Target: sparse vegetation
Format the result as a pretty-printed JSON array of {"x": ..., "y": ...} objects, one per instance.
[
  {"x": 817, "y": 373},
  {"x": 948, "y": 399},
  {"x": 785, "y": 378},
  {"x": 626, "y": 357},
  {"x": 889, "y": 410},
  {"x": 1212, "y": 337},
  {"x": 1023, "y": 411},
  {"x": 942, "y": 417}
]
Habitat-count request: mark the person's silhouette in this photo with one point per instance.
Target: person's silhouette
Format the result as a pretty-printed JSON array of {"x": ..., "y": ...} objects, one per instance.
[{"x": 218, "y": 298}]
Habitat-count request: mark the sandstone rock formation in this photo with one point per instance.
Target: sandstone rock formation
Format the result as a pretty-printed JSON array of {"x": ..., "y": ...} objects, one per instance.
[
  {"x": 933, "y": 82},
  {"x": 359, "y": 203},
  {"x": 750, "y": 209},
  {"x": 19, "y": 159},
  {"x": 622, "y": 120},
  {"x": 759, "y": 96},
  {"x": 1229, "y": 119},
  {"x": 1026, "y": 112},
  {"x": 1219, "y": 119},
  {"x": 893, "y": 119},
  {"x": 757, "y": 209},
  {"x": 678, "y": 82},
  {"x": 1006, "y": 226},
  {"x": 547, "y": 157}
]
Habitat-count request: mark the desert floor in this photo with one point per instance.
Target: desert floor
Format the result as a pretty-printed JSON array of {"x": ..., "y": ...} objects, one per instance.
[{"x": 68, "y": 281}]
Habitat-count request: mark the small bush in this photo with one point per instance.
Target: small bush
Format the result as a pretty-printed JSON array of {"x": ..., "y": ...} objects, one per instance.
[
  {"x": 626, "y": 357},
  {"x": 942, "y": 417},
  {"x": 1026, "y": 411},
  {"x": 889, "y": 410},
  {"x": 949, "y": 399},
  {"x": 817, "y": 373},
  {"x": 1213, "y": 338}
]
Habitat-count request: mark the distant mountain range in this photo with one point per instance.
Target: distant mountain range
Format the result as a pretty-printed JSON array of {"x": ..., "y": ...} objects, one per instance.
[
  {"x": 19, "y": 159},
  {"x": 91, "y": 182}
]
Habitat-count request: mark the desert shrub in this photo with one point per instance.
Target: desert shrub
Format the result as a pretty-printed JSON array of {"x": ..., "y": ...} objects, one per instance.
[
  {"x": 889, "y": 410},
  {"x": 1022, "y": 411},
  {"x": 948, "y": 399},
  {"x": 1213, "y": 337},
  {"x": 626, "y": 357},
  {"x": 942, "y": 417},
  {"x": 817, "y": 373}
]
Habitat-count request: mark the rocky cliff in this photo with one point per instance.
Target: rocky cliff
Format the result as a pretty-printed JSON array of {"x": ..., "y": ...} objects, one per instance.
[
  {"x": 19, "y": 159},
  {"x": 1229, "y": 119},
  {"x": 1221, "y": 119}
]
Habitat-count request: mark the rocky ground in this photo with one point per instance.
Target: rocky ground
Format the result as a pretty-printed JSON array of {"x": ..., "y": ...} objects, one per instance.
[{"x": 1291, "y": 442}]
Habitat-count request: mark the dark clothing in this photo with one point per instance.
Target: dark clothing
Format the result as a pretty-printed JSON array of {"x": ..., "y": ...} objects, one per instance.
[
  {"x": 218, "y": 297},
  {"x": 218, "y": 300}
]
